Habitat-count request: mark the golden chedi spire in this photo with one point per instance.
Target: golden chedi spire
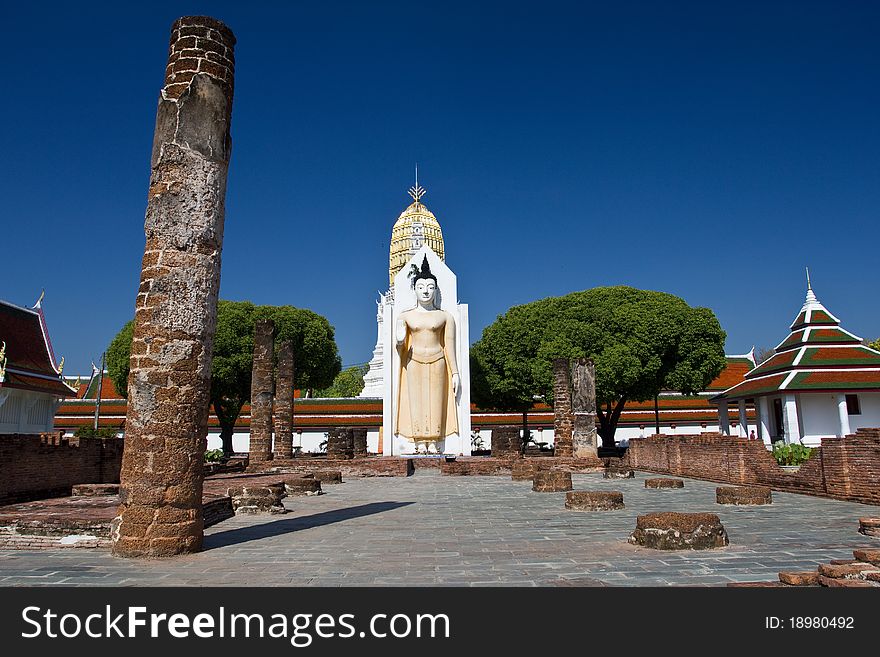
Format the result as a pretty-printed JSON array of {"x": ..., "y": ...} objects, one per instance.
[{"x": 415, "y": 226}]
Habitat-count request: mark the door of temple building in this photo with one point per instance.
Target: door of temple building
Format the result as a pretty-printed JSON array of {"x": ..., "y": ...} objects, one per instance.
[{"x": 777, "y": 430}]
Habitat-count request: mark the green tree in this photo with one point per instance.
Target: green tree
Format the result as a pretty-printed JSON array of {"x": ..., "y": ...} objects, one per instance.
[
  {"x": 316, "y": 358},
  {"x": 642, "y": 342},
  {"x": 875, "y": 345},
  {"x": 348, "y": 383},
  {"x": 118, "y": 354}
]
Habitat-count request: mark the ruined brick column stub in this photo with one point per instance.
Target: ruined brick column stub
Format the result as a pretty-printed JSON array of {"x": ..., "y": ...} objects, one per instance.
[
  {"x": 261, "y": 391},
  {"x": 563, "y": 420},
  {"x": 585, "y": 439},
  {"x": 160, "y": 511},
  {"x": 284, "y": 402}
]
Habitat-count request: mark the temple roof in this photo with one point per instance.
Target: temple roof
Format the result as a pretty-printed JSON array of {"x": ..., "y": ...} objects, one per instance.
[
  {"x": 26, "y": 358},
  {"x": 817, "y": 355}
]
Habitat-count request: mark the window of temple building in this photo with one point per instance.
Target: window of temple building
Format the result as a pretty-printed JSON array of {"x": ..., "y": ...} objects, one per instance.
[{"x": 852, "y": 405}]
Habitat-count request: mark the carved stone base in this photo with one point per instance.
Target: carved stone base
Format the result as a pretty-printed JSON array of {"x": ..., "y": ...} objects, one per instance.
[
  {"x": 679, "y": 531},
  {"x": 329, "y": 476},
  {"x": 662, "y": 482},
  {"x": 582, "y": 500},
  {"x": 299, "y": 486},
  {"x": 551, "y": 481},
  {"x": 257, "y": 499},
  {"x": 743, "y": 495}
]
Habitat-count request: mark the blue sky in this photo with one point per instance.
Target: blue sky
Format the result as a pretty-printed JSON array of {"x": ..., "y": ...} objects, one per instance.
[{"x": 709, "y": 150}]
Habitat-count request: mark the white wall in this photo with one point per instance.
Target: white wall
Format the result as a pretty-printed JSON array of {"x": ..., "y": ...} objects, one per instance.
[
  {"x": 819, "y": 418},
  {"x": 870, "y": 407},
  {"x": 310, "y": 440}
]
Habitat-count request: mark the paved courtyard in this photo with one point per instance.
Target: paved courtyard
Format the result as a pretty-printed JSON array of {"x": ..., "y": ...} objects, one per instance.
[{"x": 435, "y": 530}]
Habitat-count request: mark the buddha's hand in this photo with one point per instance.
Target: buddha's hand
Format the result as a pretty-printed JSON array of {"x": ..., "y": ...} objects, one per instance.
[
  {"x": 456, "y": 384},
  {"x": 400, "y": 331}
]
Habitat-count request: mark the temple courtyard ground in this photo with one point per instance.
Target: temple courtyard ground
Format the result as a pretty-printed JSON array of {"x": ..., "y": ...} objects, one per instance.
[{"x": 434, "y": 530}]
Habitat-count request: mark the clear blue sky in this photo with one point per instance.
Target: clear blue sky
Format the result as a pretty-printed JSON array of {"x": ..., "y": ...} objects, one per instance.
[{"x": 710, "y": 150}]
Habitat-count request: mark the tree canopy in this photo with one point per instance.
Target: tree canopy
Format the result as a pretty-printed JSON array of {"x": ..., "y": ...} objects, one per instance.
[
  {"x": 348, "y": 383},
  {"x": 316, "y": 357},
  {"x": 641, "y": 341}
]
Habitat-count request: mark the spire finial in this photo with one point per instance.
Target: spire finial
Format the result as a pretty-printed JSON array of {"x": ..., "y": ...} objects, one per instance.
[
  {"x": 809, "y": 287},
  {"x": 417, "y": 191}
]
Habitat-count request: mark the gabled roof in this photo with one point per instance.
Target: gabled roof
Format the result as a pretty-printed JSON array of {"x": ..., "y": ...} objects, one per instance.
[
  {"x": 818, "y": 355},
  {"x": 28, "y": 362}
]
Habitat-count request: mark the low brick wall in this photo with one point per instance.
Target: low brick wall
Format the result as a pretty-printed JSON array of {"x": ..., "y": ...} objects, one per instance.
[
  {"x": 476, "y": 465},
  {"x": 842, "y": 468},
  {"x": 366, "y": 467},
  {"x": 34, "y": 467}
]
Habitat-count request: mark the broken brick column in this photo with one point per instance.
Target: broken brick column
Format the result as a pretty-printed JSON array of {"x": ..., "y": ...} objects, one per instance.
[
  {"x": 261, "y": 391},
  {"x": 359, "y": 436},
  {"x": 563, "y": 420},
  {"x": 160, "y": 512},
  {"x": 585, "y": 439},
  {"x": 284, "y": 402}
]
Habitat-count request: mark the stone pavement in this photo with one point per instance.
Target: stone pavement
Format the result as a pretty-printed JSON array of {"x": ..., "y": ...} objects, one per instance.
[{"x": 435, "y": 530}]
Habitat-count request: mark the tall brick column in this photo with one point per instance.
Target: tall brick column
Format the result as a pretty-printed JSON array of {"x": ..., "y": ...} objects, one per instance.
[
  {"x": 506, "y": 441},
  {"x": 359, "y": 436},
  {"x": 160, "y": 512},
  {"x": 563, "y": 420},
  {"x": 261, "y": 391},
  {"x": 284, "y": 402},
  {"x": 585, "y": 439},
  {"x": 340, "y": 443}
]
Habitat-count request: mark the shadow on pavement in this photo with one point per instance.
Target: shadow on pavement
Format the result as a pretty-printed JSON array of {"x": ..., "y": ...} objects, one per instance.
[{"x": 286, "y": 526}]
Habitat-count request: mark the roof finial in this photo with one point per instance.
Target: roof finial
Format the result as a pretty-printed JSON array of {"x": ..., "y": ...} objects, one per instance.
[
  {"x": 417, "y": 191},
  {"x": 40, "y": 300},
  {"x": 811, "y": 296},
  {"x": 809, "y": 287}
]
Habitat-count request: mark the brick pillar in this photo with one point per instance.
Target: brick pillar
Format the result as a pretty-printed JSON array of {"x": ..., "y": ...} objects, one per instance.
[
  {"x": 261, "y": 391},
  {"x": 160, "y": 512},
  {"x": 284, "y": 402},
  {"x": 360, "y": 442},
  {"x": 340, "y": 443},
  {"x": 585, "y": 439},
  {"x": 563, "y": 420},
  {"x": 506, "y": 441}
]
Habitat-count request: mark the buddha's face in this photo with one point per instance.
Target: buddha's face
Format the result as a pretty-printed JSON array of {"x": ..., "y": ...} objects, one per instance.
[{"x": 425, "y": 291}]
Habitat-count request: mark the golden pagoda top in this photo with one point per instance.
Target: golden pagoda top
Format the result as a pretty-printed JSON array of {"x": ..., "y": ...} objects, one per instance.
[{"x": 415, "y": 226}]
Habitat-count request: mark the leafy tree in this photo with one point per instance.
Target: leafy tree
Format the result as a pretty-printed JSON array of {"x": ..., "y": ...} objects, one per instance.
[
  {"x": 118, "y": 354},
  {"x": 642, "y": 342},
  {"x": 875, "y": 344},
  {"x": 316, "y": 358},
  {"x": 348, "y": 383}
]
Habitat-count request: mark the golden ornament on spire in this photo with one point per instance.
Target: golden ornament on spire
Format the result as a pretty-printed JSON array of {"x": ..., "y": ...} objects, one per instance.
[{"x": 414, "y": 227}]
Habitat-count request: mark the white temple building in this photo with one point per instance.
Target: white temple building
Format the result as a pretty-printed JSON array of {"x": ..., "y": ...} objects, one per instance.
[{"x": 822, "y": 382}]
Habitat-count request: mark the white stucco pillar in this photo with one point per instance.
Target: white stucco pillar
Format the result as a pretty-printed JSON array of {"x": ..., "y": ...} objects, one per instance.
[
  {"x": 723, "y": 418},
  {"x": 764, "y": 420},
  {"x": 743, "y": 419},
  {"x": 792, "y": 426},
  {"x": 843, "y": 414}
]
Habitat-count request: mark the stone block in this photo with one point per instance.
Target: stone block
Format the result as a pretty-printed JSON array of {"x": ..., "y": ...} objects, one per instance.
[
  {"x": 257, "y": 499},
  {"x": 329, "y": 476},
  {"x": 662, "y": 482},
  {"x": 551, "y": 481},
  {"x": 867, "y": 556},
  {"x": 845, "y": 583},
  {"x": 522, "y": 470},
  {"x": 869, "y": 527},
  {"x": 618, "y": 473},
  {"x": 810, "y": 578},
  {"x": 298, "y": 486},
  {"x": 583, "y": 500},
  {"x": 743, "y": 495},
  {"x": 679, "y": 531},
  {"x": 854, "y": 570}
]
